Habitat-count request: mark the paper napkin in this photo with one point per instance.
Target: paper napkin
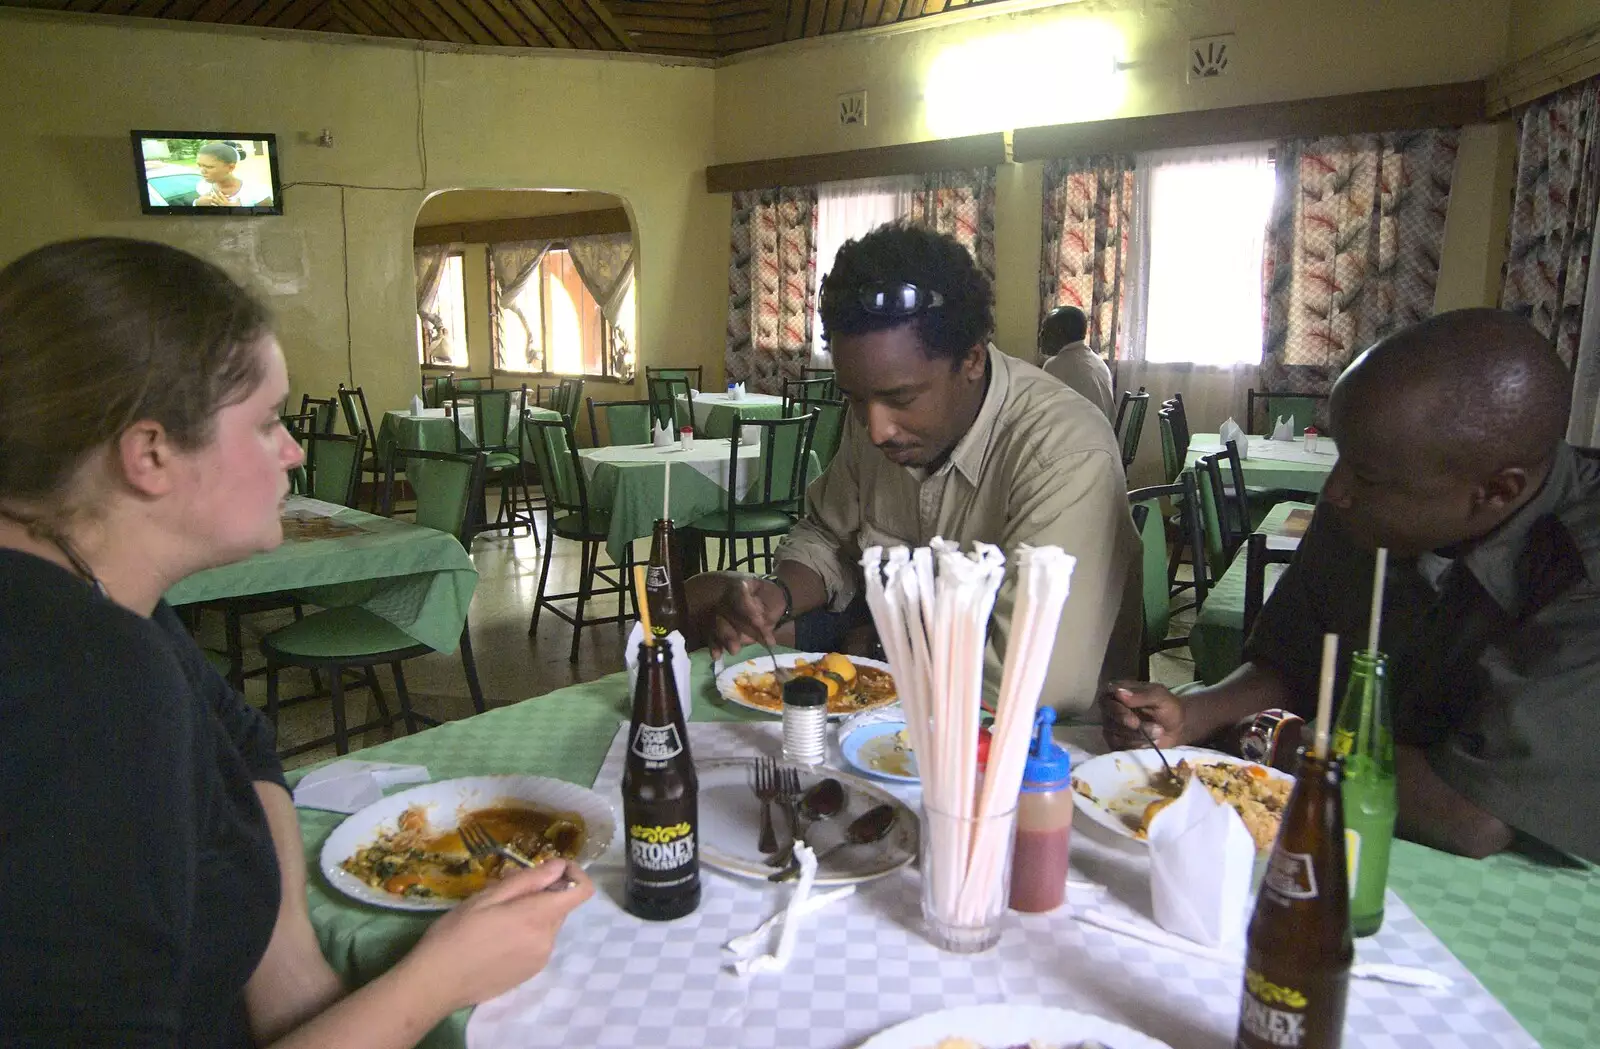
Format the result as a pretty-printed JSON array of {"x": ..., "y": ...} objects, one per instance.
[
  {"x": 1284, "y": 431},
  {"x": 1201, "y": 858},
  {"x": 662, "y": 436},
  {"x": 778, "y": 960},
  {"x": 680, "y": 664},
  {"x": 350, "y": 785},
  {"x": 736, "y": 391},
  {"x": 1230, "y": 431},
  {"x": 416, "y": 405}
]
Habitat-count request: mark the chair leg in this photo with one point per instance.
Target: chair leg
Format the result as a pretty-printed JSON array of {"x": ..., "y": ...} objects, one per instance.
[
  {"x": 544, "y": 572},
  {"x": 405, "y": 698},
  {"x": 371, "y": 676},
  {"x": 341, "y": 734},
  {"x": 527, "y": 506},
  {"x": 585, "y": 576},
  {"x": 470, "y": 666}
]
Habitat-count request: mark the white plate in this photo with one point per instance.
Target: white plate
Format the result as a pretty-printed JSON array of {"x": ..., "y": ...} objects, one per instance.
[
  {"x": 444, "y": 802},
  {"x": 726, "y": 681},
  {"x": 1120, "y": 782},
  {"x": 872, "y": 749},
  {"x": 730, "y": 825},
  {"x": 1004, "y": 1024}
]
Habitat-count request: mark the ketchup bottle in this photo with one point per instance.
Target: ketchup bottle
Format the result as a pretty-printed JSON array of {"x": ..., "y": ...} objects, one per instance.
[{"x": 1044, "y": 823}]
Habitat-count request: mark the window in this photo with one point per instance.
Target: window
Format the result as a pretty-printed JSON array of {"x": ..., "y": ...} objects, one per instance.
[
  {"x": 1207, "y": 218},
  {"x": 845, "y": 211},
  {"x": 442, "y": 340},
  {"x": 554, "y": 325}
]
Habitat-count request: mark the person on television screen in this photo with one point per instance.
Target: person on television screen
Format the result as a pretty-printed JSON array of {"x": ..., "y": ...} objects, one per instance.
[{"x": 219, "y": 187}]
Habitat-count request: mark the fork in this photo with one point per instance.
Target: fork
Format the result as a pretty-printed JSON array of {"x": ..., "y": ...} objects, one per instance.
[
  {"x": 481, "y": 844},
  {"x": 789, "y": 794},
  {"x": 764, "y": 782}
]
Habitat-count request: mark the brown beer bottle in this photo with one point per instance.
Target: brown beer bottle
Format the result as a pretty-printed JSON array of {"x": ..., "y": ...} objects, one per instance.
[
  {"x": 664, "y": 581},
  {"x": 1297, "y": 964},
  {"x": 660, "y": 798}
]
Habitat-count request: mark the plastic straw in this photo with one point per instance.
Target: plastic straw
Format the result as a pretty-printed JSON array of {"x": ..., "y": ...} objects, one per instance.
[
  {"x": 1330, "y": 658},
  {"x": 642, "y": 604},
  {"x": 666, "y": 494},
  {"x": 1378, "y": 571}
]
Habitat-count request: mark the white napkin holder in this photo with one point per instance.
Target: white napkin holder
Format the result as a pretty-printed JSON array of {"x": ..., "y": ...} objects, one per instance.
[
  {"x": 351, "y": 785},
  {"x": 680, "y": 664},
  {"x": 1284, "y": 431},
  {"x": 662, "y": 436},
  {"x": 1230, "y": 431},
  {"x": 1201, "y": 862}
]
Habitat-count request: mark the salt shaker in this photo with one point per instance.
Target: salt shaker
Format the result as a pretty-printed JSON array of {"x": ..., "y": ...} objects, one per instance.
[
  {"x": 1044, "y": 823},
  {"x": 805, "y": 721},
  {"x": 1311, "y": 438},
  {"x": 686, "y": 439}
]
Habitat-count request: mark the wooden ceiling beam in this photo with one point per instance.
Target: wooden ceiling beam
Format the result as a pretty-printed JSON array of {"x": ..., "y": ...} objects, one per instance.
[
  {"x": 148, "y": 9},
  {"x": 607, "y": 19},
  {"x": 412, "y": 26},
  {"x": 853, "y": 10},
  {"x": 871, "y": 12},
  {"x": 476, "y": 32},
  {"x": 834, "y": 18},
  {"x": 520, "y": 23},
  {"x": 540, "y": 227},
  {"x": 382, "y": 23},
  {"x": 585, "y": 17},
  {"x": 683, "y": 43},
  {"x": 492, "y": 23},
  {"x": 574, "y": 29},
  {"x": 913, "y": 158},
  {"x": 299, "y": 13},
  {"x": 533, "y": 12},
  {"x": 267, "y": 14},
  {"x": 444, "y": 27},
  {"x": 729, "y": 43},
  {"x": 794, "y": 26}
]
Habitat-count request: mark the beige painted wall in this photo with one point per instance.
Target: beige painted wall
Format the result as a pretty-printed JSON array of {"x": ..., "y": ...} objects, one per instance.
[
  {"x": 780, "y": 102},
  {"x": 1536, "y": 24},
  {"x": 638, "y": 129}
]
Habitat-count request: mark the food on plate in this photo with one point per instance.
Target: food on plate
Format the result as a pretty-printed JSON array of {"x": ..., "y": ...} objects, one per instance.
[
  {"x": 1080, "y": 787},
  {"x": 414, "y": 859},
  {"x": 967, "y": 1043},
  {"x": 851, "y": 686},
  {"x": 1255, "y": 795},
  {"x": 889, "y": 753}
]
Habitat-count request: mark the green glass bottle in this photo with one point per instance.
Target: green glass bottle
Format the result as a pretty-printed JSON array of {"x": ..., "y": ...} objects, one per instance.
[{"x": 1364, "y": 737}]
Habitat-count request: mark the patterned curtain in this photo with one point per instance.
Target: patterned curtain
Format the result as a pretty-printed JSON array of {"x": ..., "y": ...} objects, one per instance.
[
  {"x": 429, "y": 265},
  {"x": 514, "y": 264},
  {"x": 772, "y": 286},
  {"x": 1553, "y": 213},
  {"x": 605, "y": 265},
  {"x": 1352, "y": 250},
  {"x": 1088, "y": 206},
  {"x": 960, "y": 204}
]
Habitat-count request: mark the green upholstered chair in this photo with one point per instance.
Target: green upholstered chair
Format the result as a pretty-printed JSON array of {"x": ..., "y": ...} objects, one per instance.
[
  {"x": 1303, "y": 406},
  {"x": 568, "y": 515},
  {"x": 798, "y": 394},
  {"x": 773, "y": 501},
  {"x": 333, "y": 466},
  {"x": 1130, "y": 423},
  {"x": 1153, "y": 537},
  {"x": 825, "y": 439},
  {"x": 448, "y": 486},
  {"x": 324, "y": 409},
  {"x": 358, "y": 419},
  {"x": 565, "y": 397},
  {"x": 625, "y": 422},
  {"x": 490, "y": 432},
  {"x": 690, "y": 374},
  {"x": 824, "y": 373},
  {"x": 664, "y": 391}
]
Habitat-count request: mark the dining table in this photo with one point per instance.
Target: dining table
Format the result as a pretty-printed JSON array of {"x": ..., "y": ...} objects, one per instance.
[
  {"x": 420, "y": 579},
  {"x": 435, "y": 431},
  {"x": 1513, "y": 935},
  {"x": 713, "y": 413},
  {"x": 1286, "y": 465}
]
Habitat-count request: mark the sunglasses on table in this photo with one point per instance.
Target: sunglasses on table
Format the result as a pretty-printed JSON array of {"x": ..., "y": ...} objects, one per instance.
[{"x": 897, "y": 300}]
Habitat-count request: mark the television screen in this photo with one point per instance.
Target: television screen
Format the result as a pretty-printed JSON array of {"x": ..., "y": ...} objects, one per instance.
[{"x": 207, "y": 173}]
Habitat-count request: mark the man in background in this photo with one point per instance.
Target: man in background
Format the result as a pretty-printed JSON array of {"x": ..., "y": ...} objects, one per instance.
[{"x": 1067, "y": 357}]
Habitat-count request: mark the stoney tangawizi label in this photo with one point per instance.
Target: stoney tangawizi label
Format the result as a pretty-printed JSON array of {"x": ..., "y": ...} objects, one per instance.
[
  {"x": 661, "y": 849},
  {"x": 1291, "y": 876},
  {"x": 657, "y": 742},
  {"x": 1272, "y": 1014}
]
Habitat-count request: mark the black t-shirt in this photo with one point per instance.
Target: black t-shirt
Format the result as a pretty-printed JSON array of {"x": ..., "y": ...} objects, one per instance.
[{"x": 138, "y": 882}]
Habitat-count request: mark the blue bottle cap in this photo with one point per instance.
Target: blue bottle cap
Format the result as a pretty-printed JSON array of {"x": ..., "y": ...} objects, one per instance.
[{"x": 1049, "y": 767}]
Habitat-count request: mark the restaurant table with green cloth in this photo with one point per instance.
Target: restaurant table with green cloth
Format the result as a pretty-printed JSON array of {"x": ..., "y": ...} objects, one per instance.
[
  {"x": 1217, "y": 637},
  {"x": 419, "y": 579},
  {"x": 437, "y": 433},
  {"x": 714, "y": 412},
  {"x": 626, "y": 481},
  {"x": 1274, "y": 464},
  {"x": 1526, "y": 931}
]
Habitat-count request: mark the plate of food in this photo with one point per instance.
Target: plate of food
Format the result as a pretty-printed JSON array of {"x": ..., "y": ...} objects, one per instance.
[
  {"x": 881, "y": 749},
  {"x": 854, "y": 683},
  {"x": 1010, "y": 1026},
  {"x": 1124, "y": 790},
  {"x": 405, "y": 852},
  {"x": 730, "y": 825}
]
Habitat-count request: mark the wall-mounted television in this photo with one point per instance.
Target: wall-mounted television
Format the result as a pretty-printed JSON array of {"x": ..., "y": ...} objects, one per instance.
[{"x": 207, "y": 173}]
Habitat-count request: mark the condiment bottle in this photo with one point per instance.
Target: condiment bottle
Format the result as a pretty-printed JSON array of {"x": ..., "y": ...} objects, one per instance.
[
  {"x": 1311, "y": 438},
  {"x": 805, "y": 721},
  {"x": 1364, "y": 737},
  {"x": 1299, "y": 949},
  {"x": 1044, "y": 823},
  {"x": 686, "y": 439}
]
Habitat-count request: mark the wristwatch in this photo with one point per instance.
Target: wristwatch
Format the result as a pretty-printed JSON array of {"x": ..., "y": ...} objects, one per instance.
[
  {"x": 1270, "y": 735},
  {"x": 788, "y": 598}
]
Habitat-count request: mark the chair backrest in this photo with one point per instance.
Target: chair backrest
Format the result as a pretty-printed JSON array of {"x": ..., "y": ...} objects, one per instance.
[
  {"x": 1180, "y": 423},
  {"x": 1303, "y": 406},
  {"x": 785, "y": 453},
  {"x": 1257, "y": 556},
  {"x": 353, "y": 400},
  {"x": 824, "y": 373},
  {"x": 800, "y": 393},
  {"x": 448, "y": 486},
  {"x": 333, "y": 462},
  {"x": 626, "y": 422},
  {"x": 664, "y": 392},
  {"x": 554, "y": 447},
  {"x": 470, "y": 383},
  {"x": 1153, "y": 538},
  {"x": 491, "y": 421},
  {"x": 300, "y": 425},
  {"x": 326, "y": 409},
  {"x": 1130, "y": 423},
  {"x": 1171, "y": 458},
  {"x": 830, "y": 429},
  {"x": 567, "y": 397},
  {"x": 1224, "y": 506},
  {"x": 690, "y": 375}
]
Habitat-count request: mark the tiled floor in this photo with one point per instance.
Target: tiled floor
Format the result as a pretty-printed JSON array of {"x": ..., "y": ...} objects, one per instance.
[{"x": 511, "y": 665}]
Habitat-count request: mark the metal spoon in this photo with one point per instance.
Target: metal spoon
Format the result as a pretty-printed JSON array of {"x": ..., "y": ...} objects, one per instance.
[
  {"x": 1173, "y": 776},
  {"x": 782, "y": 674},
  {"x": 823, "y": 800},
  {"x": 872, "y": 825}
]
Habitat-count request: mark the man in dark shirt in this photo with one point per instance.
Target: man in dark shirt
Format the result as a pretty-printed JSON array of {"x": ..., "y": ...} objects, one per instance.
[{"x": 1452, "y": 457}]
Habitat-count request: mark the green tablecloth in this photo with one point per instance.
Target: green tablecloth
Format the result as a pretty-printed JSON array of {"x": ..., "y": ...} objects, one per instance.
[
  {"x": 1274, "y": 464},
  {"x": 419, "y": 579},
  {"x": 714, "y": 413},
  {"x": 1217, "y": 637},
  {"x": 437, "y": 433},
  {"x": 1530, "y": 933}
]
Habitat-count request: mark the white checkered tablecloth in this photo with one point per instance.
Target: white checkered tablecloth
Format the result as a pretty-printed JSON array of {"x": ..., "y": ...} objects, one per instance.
[{"x": 862, "y": 965}]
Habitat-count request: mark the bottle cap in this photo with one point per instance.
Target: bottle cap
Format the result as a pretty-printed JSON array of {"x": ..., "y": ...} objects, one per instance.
[
  {"x": 1049, "y": 767},
  {"x": 804, "y": 692}
]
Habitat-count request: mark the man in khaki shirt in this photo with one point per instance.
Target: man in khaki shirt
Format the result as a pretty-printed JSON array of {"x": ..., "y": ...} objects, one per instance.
[
  {"x": 1065, "y": 355},
  {"x": 946, "y": 437}
]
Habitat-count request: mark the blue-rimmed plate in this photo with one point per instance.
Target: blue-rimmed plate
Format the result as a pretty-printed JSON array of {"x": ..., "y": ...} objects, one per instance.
[{"x": 879, "y": 750}]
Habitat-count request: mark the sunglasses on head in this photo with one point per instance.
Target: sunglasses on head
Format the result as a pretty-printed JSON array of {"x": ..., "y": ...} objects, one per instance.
[{"x": 897, "y": 300}]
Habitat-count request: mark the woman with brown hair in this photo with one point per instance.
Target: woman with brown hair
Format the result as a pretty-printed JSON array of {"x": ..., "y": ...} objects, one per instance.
[{"x": 152, "y": 876}]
